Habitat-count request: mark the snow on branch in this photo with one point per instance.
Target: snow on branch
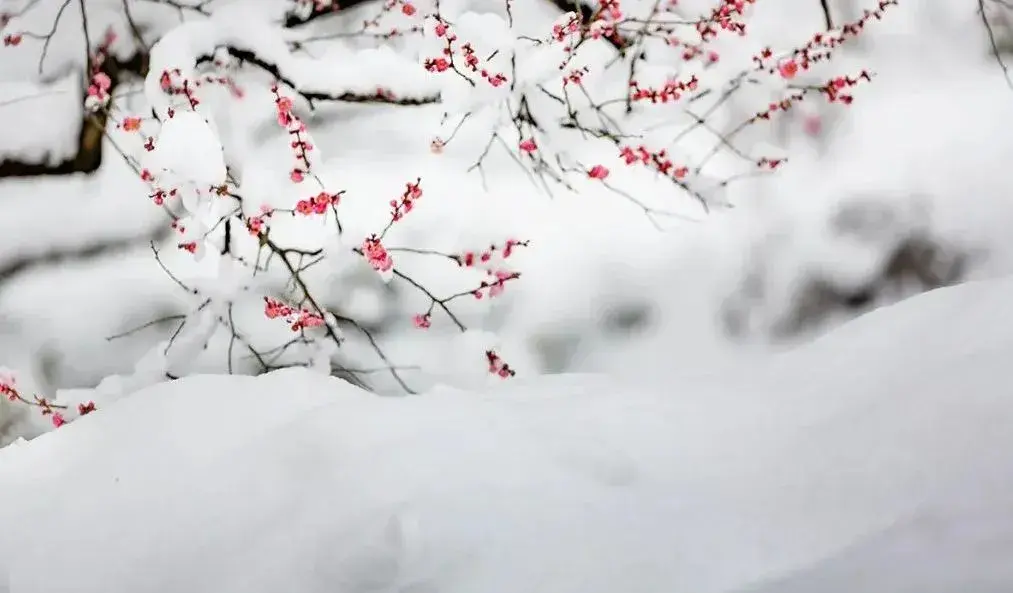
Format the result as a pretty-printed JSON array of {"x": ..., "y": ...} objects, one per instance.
[
  {"x": 377, "y": 75},
  {"x": 263, "y": 243}
]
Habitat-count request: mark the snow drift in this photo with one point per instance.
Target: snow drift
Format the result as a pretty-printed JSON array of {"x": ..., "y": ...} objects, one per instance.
[{"x": 875, "y": 459}]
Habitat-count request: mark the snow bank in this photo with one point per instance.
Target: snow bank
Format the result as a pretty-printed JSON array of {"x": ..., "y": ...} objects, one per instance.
[{"x": 874, "y": 459}]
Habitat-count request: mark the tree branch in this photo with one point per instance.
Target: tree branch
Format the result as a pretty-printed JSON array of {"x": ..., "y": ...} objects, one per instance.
[
  {"x": 994, "y": 44},
  {"x": 87, "y": 252},
  {"x": 828, "y": 21},
  {"x": 249, "y": 57}
]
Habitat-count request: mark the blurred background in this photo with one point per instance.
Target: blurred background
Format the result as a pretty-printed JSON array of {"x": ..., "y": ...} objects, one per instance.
[{"x": 903, "y": 191}]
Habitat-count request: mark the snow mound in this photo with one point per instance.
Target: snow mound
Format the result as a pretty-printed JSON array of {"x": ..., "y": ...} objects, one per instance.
[
  {"x": 873, "y": 460},
  {"x": 188, "y": 147}
]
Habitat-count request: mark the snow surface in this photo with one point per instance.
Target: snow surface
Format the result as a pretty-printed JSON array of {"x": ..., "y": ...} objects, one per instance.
[{"x": 875, "y": 459}]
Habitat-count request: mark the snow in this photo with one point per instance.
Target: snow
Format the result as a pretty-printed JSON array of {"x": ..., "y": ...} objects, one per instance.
[
  {"x": 188, "y": 148},
  {"x": 874, "y": 459},
  {"x": 869, "y": 460},
  {"x": 72, "y": 212},
  {"x": 42, "y": 124}
]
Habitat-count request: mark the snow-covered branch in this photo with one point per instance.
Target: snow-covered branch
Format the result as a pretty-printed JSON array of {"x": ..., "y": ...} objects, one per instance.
[
  {"x": 369, "y": 75},
  {"x": 262, "y": 249}
]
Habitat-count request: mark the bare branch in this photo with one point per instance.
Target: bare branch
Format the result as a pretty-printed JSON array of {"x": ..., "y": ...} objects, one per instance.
[
  {"x": 994, "y": 44},
  {"x": 828, "y": 21}
]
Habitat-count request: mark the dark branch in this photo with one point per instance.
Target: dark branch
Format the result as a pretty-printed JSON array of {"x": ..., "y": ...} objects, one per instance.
[
  {"x": 249, "y": 57},
  {"x": 828, "y": 21},
  {"x": 586, "y": 12}
]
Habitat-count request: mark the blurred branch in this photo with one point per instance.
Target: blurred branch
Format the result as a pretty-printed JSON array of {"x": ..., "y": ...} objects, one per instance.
[
  {"x": 994, "y": 43},
  {"x": 13, "y": 267},
  {"x": 251, "y": 58},
  {"x": 828, "y": 21}
]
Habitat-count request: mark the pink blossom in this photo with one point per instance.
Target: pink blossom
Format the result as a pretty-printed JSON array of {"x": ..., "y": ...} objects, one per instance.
[
  {"x": 102, "y": 81},
  {"x": 274, "y": 309},
  {"x": 497, "y": 366},
  {"x": 255, "y": 224},
  {"x": 812, "y": 125},
  {"x": 437, "y": 65},
  {"x": 528, "y": 145},
  {"x": 307, "y": 319},
  {"x": 788, "y": 69},
  {"x": 377, "y": 255},
  {"x": 58, "y": 420},
  {"x": 598, "y": 172},
  {"x": 8, "y": 387}
]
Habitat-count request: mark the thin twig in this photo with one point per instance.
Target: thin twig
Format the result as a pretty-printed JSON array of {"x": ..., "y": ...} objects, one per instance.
[{"x": 995, "y": 45}]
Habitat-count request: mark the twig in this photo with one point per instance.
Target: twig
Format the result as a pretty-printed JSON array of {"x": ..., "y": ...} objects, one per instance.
[
  {"x": 48, "y": 37},
  {"x": 87, "y": 37},
  {"x": 828, "y": 21},
  {"x": 995, "y": 46}
]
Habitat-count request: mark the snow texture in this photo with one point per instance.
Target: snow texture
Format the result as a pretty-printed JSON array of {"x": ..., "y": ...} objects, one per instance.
[{"x": 872, "y": 460}]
